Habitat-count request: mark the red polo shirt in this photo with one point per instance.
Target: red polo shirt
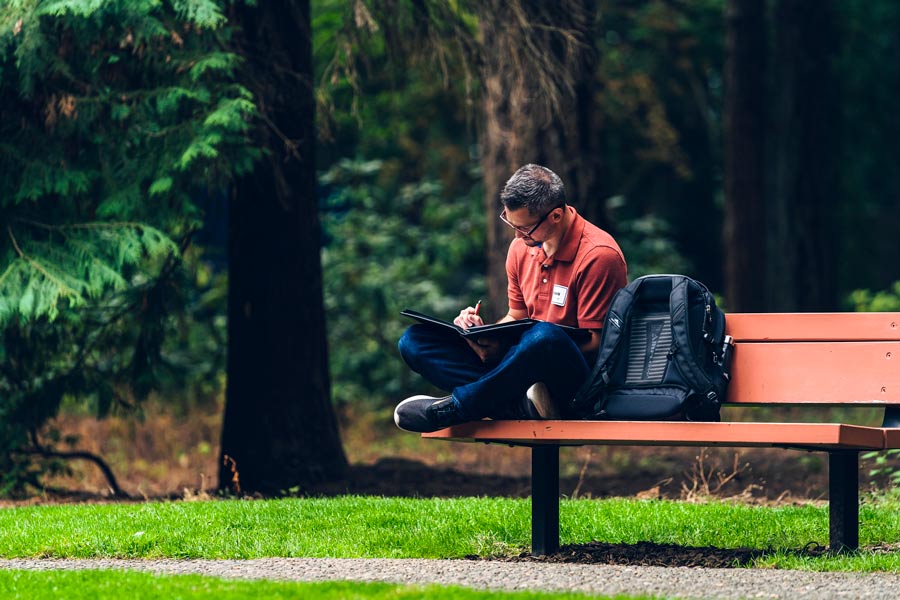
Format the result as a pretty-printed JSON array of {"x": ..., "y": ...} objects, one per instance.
[{"x": 575, "y": 286}]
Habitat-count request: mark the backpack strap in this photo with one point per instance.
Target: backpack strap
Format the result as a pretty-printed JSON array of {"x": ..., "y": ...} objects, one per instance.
[
  {"x": 616, "y": 317},
  {"x": 681, "y": 327}
]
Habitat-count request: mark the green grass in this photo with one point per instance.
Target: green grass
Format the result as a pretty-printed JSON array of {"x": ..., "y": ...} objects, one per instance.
[
  {"x": 91, "y": 585},
  {"x": 351, "y": 527}
]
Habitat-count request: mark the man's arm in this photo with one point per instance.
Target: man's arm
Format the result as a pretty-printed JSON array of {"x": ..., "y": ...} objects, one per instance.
[
  {"x": 603, "y": 274},
  {"x": 514, "y": 315},
  {"x": 592, "y": 344}
]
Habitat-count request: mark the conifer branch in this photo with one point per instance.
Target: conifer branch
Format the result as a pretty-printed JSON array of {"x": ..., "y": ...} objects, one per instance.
[
  {"x": 9, "y": 269},
  {"x": 290, "y": 144},
  {"x": 92, "y": 225},
  {"x": 63, "y": 288}
]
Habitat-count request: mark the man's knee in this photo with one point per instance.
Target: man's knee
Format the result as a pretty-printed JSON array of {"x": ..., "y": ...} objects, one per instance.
[
  {"x": 547, "y": 336},
  {"x": 416, "y": 339},
  {"x": 407, "y": 344}
]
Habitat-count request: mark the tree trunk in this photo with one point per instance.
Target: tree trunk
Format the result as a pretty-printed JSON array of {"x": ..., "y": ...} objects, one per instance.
[
  {"x": 280, "y": 430},
  {"x": 745, "y": 93},
  {"x": 537, "y": 104},
  {"x": 804, "y": 178}
]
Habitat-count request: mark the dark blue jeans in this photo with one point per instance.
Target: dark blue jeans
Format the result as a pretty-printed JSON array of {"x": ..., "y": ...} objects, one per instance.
[{"x": 544, "y": 353}]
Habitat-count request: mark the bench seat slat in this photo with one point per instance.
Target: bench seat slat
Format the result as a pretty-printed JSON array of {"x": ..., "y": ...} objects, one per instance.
[
  {"x": 821, "y": 436},
  {"x": 862, "y": 373},
  {"x": 831, "y": 327},
  {"x": 891, "y": 438}
]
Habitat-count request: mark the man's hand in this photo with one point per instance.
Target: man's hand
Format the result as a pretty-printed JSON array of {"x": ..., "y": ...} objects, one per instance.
[
  {"x": 468, "y": 317},
  {"x": 487, "y": 348},
  {"x": 592, "y": 344}
]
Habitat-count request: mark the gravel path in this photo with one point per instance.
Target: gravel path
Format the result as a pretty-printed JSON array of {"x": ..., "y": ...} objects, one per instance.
[{"x": 667, "y": 582}]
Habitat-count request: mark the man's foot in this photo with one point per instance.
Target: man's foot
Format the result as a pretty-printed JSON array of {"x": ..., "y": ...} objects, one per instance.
[
  {"x": 424, "y": 414},
  {"x": 539, "y": 404}
]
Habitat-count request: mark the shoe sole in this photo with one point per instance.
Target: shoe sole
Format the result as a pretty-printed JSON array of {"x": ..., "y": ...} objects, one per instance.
[{"x": 410, "y": 399}]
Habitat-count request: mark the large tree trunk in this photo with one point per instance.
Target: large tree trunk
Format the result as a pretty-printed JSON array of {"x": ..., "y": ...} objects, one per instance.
[
  {"x": 279, "y": 430},
  {"x": 804, "y": 174},
  {"x": 745, "y": 124},
  {"x": 537, "y": 107}
]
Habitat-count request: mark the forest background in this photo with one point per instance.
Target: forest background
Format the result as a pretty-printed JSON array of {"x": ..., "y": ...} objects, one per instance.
[{"x": 196, "y": 192}]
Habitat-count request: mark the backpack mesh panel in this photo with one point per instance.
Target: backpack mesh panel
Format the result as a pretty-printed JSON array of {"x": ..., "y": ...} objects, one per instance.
[{"x": 649, "y": 341}]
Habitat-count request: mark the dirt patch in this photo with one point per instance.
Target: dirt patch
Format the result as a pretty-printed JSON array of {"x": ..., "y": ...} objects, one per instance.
[{"x": 763, "y": 476}]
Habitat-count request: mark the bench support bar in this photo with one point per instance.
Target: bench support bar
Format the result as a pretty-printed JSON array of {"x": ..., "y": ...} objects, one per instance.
[
  {"x": 843, "y": 499},
  {"x": 544, "y": 499}
]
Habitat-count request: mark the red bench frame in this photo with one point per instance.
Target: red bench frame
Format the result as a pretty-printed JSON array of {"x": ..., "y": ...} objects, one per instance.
[{"x": 783, "y": 359}]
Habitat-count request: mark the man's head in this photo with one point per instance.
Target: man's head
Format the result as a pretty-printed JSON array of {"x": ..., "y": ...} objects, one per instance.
[
  {"x": 533, "y": 187},
  {"x": 534, "y": 201}
]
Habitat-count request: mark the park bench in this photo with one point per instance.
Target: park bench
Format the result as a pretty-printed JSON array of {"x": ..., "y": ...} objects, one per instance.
[{"x": 803, "y": 360}]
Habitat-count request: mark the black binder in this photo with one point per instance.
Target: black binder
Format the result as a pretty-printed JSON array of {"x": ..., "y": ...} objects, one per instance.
[{"x": 509, "y": 329}]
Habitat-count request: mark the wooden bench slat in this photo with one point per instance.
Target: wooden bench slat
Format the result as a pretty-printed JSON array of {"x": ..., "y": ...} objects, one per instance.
[
  {"x": 861, "y": 373},
  {"x": 822, "y": 436},
  {"x": 762, "y": 327},
  {"x": 891, "y": 438}
]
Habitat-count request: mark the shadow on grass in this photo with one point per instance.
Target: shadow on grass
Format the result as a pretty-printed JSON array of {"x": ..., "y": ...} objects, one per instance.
[
  {"x": 648, "y": 554},
  {"x": 414, "y": 479}
]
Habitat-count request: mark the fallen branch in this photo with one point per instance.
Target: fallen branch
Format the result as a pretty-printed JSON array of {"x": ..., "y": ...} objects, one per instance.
[{"x": 82, "y": 455}]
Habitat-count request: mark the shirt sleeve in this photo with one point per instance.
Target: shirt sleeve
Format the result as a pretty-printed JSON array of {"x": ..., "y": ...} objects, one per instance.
[
  {"x": 513, "y": 291},
  {"x": 601, "y": 275}
]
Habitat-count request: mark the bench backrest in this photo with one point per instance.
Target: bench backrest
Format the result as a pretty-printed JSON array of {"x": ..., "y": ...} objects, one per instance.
[{"x": 815, "y": 358}]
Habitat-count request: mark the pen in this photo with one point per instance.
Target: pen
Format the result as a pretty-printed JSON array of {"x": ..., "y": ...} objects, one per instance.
[{"x": 477, "y": 306}]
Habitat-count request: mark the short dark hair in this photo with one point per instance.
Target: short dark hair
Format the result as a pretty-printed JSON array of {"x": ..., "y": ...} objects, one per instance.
[{"x": 533, "y": 187}]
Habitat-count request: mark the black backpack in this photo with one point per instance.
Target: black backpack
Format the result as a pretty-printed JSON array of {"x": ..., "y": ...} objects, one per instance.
[{"x": 663, "y": 354}]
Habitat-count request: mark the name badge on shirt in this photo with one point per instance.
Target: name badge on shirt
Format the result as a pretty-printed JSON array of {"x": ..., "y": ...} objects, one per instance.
[{"x": 559, "y": 295}]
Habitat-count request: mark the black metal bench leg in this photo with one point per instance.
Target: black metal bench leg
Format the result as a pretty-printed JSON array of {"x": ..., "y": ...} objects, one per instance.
[
  {"x": 544, "y": 500},
  {"x": 843, "y": 499}
]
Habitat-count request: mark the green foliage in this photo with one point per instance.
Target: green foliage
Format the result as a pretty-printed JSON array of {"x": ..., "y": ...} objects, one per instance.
[
  {"x": 880, "y": 301},
  {"x": 381, "y": 97},
  {"x": 72, "y": 264},
  {"x": 104, "y": 106},
  {"x": 647, "y": 244},
  {"x": 115, "y": 118},
  {"x": 386, "y": 250}
]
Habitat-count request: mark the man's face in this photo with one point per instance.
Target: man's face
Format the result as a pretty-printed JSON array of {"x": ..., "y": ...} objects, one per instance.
[{"x": 527, "y": 226}]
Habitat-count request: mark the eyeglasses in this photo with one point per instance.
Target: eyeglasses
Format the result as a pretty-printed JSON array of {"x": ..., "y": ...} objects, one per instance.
[{"x": 527, "y": 232}]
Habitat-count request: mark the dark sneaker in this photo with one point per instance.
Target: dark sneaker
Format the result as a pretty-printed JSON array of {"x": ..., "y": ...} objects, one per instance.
[
  {"x": 424, "y": 414},
  {"x": 539, "y": 404}
]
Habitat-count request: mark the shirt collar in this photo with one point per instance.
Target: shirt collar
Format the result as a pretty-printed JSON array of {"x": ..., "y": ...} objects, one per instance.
[{"x": 568, "y": 245}]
